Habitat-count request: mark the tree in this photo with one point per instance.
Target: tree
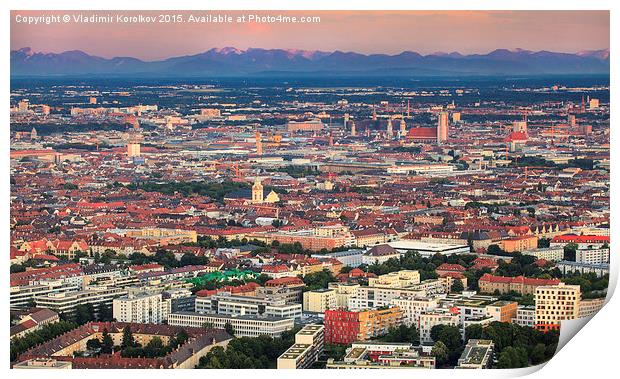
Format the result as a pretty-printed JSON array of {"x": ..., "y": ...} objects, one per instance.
[
  {"x": 107, "y": 345},
  {"x": 537, "y": 355},
  {"x": 105, "y": 312},
  {"x": 473, "y": 332},
  {"x": 93, "y": 344},
  {"x": 512, "y": 357},
  {"x": 570, "y": 251},
  {"x": 440, "y": 352},
  {"x": 318, "y": 280},
  {"x": 17, "y": 268},
  {"x": 84, "y": 313},
  {"x": 544, "y": 242},
  {"x": 457, "y": 286},
  {"x": 451, "y": 337},
  {"x": 402, "y": 333},
  {"x": 128, "y": 340},
  {"x": 229, "y": 329},
  {"x": 154, "y": 348},
  {"x": 494, "y": 249}
]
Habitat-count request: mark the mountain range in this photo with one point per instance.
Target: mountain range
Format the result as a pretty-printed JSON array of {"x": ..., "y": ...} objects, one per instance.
[{"x": 229, "y": 61}]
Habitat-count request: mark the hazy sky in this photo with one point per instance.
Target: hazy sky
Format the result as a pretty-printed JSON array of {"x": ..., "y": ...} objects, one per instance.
[{"x": 361, "y": 31}]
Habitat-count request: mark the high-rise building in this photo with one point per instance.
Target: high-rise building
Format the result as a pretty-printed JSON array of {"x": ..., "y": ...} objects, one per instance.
[
  {"x": 353, "y": 131},
  {"x": 390, "y": 130},
  {"x": 141, "y": 308},
  {"x": 556, "y": 303},
  {"x": 456, "y": 117},
  {"x": 442, "y": 127},
  {"x": 92, "y": 100},
  {"x": 403, "y": 128},
  {"x": 257, "y": 192}
]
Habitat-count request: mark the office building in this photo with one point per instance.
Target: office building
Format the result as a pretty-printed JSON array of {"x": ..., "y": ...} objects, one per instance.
[{"x": 243, "y": 326}]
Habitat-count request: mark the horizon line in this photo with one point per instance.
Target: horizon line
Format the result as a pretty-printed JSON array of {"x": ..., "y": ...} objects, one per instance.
[{"x": 300, "y": 51}]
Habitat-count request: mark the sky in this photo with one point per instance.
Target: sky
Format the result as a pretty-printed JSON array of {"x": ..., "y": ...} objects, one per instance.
[{"x": 388, "y": 32}]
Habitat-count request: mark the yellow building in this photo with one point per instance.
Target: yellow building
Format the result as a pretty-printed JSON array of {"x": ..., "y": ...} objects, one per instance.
[
  {"x": 319, "y": 300},
  {"x": 164, "y": 236},
  {"x": 344, "y": 291},
  {"x": 399, "y": 279},
  {"x": 556, "y": 303},
  {"x": 376, "y": 323}
]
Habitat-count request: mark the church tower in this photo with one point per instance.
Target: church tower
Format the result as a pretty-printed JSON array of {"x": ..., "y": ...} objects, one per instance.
[
  {"x": 257, "y": 192},
  {"x": 390, "y": 130},
  {"x": 403, "y": 127}
]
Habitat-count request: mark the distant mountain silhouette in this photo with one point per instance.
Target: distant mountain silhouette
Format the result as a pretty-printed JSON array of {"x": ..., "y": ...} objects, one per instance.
[{"x": 229, "y": 61}]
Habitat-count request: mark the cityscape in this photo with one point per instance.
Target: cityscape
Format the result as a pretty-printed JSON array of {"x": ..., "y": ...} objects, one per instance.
[{"x": 280, "y": 208}]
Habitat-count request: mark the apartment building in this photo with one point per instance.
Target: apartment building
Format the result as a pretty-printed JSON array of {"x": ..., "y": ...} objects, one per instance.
[
  {"x": 413, "y": 307},
  {"x": 344, "y": 291},
  {"x": 502, "y": 311},
  {"x": 526, "y": 316},
  {"x": 243, "y": 326},
  {"x": 556, "y": 303},
  {"x": 66, "y": 302},
  {"x": 399, "y": 279},
  {"x": 373, "y": 297},
  {"x": 478, "y": 354},
  {"x": 290, "y": 295},
  {"x": 228, "y": 304},
  {"x": 143, "y": 308},
  {"x": 319, "y": 300},
  {"x": 308, "y": 346},
  {"x": 345, "y": 327},
  {"x": 436, "y": 317},
  {"x": 382, "y": 355},
  {"x": 23, "y": 296},
  {"x": 551, "y": 254},
  {"x": 592, "y": 256}
]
